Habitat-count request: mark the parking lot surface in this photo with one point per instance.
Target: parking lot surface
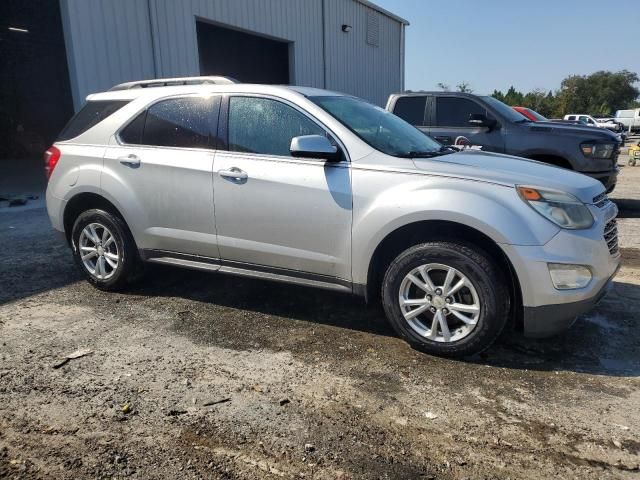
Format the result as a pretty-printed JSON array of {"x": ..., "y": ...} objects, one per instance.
[{"x": 194, "y": 375}]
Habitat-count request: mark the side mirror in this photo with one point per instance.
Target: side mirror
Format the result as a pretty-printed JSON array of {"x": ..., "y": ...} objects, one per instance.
[
  {"x": 480, "y": 120},
  {"x": 314, "y": 146}
]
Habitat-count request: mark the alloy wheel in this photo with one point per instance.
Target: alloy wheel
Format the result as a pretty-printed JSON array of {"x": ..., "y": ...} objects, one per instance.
[
  {"x": 439, "y": 302},
  {"x": 99, "y": 251}
]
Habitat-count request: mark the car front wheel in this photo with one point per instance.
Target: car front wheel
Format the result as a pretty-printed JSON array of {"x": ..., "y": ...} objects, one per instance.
[{"x": 446, "y": 298}]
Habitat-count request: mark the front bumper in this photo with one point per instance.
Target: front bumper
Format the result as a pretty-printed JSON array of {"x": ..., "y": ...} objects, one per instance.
[
  {"x": 548, "y": 320},
  {"x": 546, "y": 309}
]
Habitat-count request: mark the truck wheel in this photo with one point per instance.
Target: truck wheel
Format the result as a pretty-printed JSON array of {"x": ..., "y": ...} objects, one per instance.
[
  {"x": 632, "y": 162},
  {"x": 104, "y": 250},
  {"x": 446, "y": 298}
]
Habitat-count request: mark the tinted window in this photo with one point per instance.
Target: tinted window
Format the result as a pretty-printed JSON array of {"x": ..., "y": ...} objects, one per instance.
[
  {"x": 411, "y": 109},
  {"x": 132, "y": 133},
  {"x": 571, "y": 117},
  {"x": 260, "y": 125},
  {"x": 455, "y": 112},
  {"x": 90, "y": 115},
  {"x": 504, "y": 110},
  {"x": 179, "y": 122}
]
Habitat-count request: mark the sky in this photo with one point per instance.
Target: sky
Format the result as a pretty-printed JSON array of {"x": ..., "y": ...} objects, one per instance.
[{"x": 493, "y": 44}]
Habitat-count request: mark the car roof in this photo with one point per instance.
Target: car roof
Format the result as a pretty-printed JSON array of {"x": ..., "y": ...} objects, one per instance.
[
  {"x": 167, "y": 91},
  {"x": 438, "y": 93}
]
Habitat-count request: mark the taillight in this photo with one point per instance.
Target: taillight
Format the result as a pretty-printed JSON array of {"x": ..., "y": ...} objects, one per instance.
[{"x": 51, "y": 157}]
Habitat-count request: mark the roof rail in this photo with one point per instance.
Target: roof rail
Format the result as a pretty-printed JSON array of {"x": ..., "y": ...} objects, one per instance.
[{"x": 166, "y": 82}]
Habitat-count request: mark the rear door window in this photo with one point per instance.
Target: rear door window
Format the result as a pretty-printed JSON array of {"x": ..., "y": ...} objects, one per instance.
[
  {"x": 455, "y": 112},
  {"x": 179, "y": 122},
  {"x": 89, "y": 116},
  {"x": 411, "y": 109}
]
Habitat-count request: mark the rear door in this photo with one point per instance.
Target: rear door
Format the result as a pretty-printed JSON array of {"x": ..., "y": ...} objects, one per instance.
[
  {"x": 451, "y": 124},
  {"x": 159, "y": 167}
]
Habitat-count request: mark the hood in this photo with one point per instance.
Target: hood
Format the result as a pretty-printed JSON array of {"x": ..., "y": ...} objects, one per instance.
[
  {"x": 573, "y": 129},
  {"x": 511, "y": 171}
]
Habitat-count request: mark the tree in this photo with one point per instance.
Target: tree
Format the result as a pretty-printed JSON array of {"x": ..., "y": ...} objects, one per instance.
[
  {"x": 600, "y": 93},
  {"x": 464, "y": 87},
  {"x": 514, "y": 97}
]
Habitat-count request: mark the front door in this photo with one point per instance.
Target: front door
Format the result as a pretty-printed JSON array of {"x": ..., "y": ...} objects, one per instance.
[
  {"x": 450, "y": 123},
  {"x": 160, "y": 168},
  {"x": 274, "y": 210}
]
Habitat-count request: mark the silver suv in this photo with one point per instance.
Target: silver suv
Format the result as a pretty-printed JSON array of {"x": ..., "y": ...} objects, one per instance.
[{"x": 316, "y": 188}]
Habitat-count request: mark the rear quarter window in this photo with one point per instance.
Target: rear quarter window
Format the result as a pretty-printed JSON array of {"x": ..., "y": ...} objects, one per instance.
[{"x": 89, "y": 116}]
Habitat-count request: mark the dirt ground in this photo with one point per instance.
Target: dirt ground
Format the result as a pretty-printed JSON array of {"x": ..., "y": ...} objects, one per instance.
[{"x": 194, "y": 375}]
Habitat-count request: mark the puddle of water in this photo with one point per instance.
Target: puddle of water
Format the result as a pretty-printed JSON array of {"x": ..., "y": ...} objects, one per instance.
[{"x": 602, "y": 322}]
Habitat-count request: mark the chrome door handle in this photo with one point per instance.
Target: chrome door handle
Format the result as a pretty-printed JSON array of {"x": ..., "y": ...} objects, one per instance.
[
  {"x": 234, "y": 174},
  {"x": 131, "y": 160}
]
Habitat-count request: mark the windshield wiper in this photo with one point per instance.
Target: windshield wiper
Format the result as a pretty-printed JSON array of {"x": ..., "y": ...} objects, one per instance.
[
  {"x": 418, "y": 154},
  {"x": 429, "y": 154}
]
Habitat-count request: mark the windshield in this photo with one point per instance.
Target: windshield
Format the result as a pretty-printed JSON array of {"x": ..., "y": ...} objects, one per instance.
[
  {"x": 377, "y": 127},
  {"x": 505, "y": 110},
  {"x": 537, "y": 116}
]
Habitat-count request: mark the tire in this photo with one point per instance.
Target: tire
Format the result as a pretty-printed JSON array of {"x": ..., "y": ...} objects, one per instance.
[
  {"x": 122, "y": 246},
  {"x": 487, "y": 299}
]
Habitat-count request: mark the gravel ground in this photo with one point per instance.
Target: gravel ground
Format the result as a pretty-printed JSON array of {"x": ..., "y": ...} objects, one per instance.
[{"x": 194, "y": 375}]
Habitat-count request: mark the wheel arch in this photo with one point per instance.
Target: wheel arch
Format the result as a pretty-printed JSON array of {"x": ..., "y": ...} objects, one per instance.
[
  {"x": 414, "y": 233},
  {"x": 82, "y": 202}
]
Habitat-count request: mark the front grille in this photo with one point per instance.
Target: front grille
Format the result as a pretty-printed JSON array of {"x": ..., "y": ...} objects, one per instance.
[
  {"x": 601, "y": 200},
  {"x": 611, "y": 236}
]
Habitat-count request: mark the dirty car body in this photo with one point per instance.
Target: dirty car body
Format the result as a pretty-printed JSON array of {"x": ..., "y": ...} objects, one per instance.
[{"x": 311, "y": 187}]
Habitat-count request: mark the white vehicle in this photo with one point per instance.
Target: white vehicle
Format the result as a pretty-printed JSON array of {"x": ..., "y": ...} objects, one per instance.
[
  {"x": 590, "y": 121},
  {"x": 629, "y": 118}
]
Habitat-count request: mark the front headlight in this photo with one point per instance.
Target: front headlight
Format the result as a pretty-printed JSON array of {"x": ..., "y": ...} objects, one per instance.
[
  {"x": 598, "y": 150},
  {"x": 561, "y": 208}
]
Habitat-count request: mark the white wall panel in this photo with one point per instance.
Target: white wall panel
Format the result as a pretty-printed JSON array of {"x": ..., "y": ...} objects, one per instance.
[
  {"x": 108, "y": 42},
  {"x": 113, "y": 41},
  {"x": 298, "y": 21},
  {"x": 353, "y": 65}
]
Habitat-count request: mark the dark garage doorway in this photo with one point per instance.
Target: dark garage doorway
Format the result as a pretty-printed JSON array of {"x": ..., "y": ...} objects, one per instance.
[
  {"x": 244, "y": 56},
  {"x": 35, "y": 95}
]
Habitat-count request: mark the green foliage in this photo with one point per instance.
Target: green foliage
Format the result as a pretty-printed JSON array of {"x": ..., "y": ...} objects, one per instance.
[
  {"x": 601, "y": 93},
  {"x": 464, "y": 87}
]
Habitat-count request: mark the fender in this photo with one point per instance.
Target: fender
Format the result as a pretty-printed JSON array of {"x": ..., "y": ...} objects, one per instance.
[{"x": 496, "y": 212}]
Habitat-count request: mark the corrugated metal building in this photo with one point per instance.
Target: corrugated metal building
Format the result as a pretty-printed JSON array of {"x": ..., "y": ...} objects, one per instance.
[
  {"x": 56, "y": 52},
  {"x": 351, "y": 46}
]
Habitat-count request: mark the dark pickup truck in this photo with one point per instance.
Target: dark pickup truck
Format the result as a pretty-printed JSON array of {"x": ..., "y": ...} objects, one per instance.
[{"x": 459, "y": 118}]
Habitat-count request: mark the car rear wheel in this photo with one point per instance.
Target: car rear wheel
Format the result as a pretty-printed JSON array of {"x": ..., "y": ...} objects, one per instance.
[
  {"x": 446, "y": 298},
  {"x": 104, "y": 250}
]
